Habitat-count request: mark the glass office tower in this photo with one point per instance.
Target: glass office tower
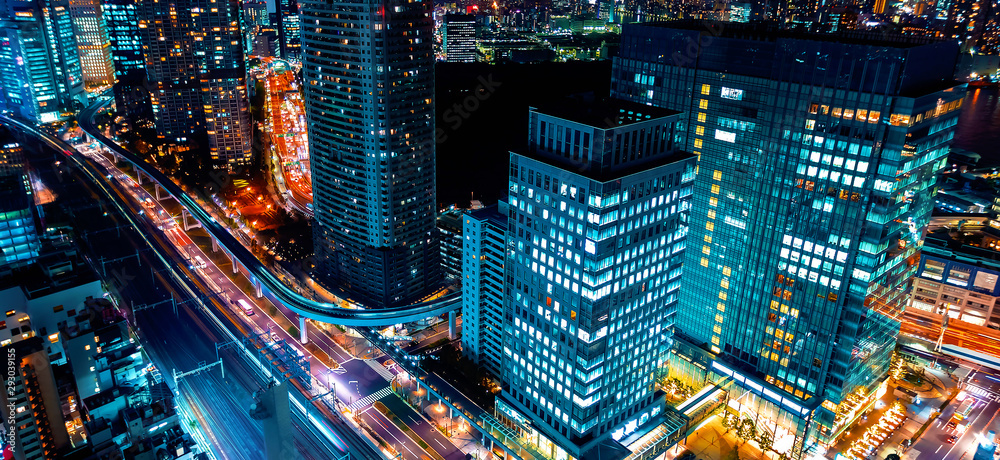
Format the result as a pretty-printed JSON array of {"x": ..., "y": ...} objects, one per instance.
[
  {"x": 596, "y": 236},
  {"x": 92, "y": 42},
  {"x": 131, "y": 95},
  {"x": 39, "y": 60},
  {"x": 819, "y": 156},
  {"x": 459, "y": 36},
  {"x": 289, "y": 29},
  {"x": 368, "y": 71}
]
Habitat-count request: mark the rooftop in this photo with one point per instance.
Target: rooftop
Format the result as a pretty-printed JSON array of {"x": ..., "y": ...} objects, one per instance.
[
  {"x": 769, "y": 31},
  {"x": 602, "y": 114}
]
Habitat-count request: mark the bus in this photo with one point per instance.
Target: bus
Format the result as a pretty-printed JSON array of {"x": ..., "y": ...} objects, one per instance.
[
  {"x": 245, "y": 306},
  {"x": 958, "y": 421},
  {"x": 199, "y": 262}
]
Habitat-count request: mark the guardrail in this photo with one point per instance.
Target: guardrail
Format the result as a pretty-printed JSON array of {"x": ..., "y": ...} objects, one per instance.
[{"x": 320, "y": 311}]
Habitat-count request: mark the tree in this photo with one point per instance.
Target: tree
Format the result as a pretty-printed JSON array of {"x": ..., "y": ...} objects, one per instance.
[
  {"x": 765, "y": 440},
  {"x": 747, "y": 429},
  {"x": 730, "y": 421}
]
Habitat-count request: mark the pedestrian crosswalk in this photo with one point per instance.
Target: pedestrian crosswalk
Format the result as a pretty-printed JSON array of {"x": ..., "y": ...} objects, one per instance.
[
  {"x": 368, "y": 400},
  {"x": 982, "y": 393},
  {"x": 380, "y": 369}
]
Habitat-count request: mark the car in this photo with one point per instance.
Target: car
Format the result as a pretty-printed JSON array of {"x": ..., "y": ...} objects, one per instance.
[
  {"x": 951, "y": 425},
  {"x": 952, "y": 439},
  {"x": 274, "y": 336}
]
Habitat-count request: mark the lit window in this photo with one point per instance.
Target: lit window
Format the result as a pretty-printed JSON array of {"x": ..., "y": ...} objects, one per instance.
[
  {"x": 705, "y": 89},
  {"x": 711, "y": 214},
  {"x": 704, "y": 262},
  {"x": 699, "y": 130},
  {"x": 697, "y": 143},
  {"x": 703, "y": 104},
  {"x": 713, "y": 201},
  {"x": 716, "y": 175},
  {"x": 715, "y": 189},
  {"x": 702, "y": 117}
]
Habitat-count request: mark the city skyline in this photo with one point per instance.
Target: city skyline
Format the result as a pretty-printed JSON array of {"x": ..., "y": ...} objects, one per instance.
[{"x": 520, "y": 230}]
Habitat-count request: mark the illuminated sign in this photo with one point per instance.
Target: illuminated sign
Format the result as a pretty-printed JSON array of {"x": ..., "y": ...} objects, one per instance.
[
  {"x": 630, "y": 426},
  {"x": 725, "y": 136},
  {"x": 732, "y": 93}
]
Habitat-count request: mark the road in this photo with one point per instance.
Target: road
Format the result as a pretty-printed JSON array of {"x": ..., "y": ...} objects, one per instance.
[
  {"x": 218, "y": 406},
  {"x": 933, "y": 444},
  {"x": 327, "y": 312},
  {"x": 286, "y": 126},
  {"x": 353, "y": 380}
]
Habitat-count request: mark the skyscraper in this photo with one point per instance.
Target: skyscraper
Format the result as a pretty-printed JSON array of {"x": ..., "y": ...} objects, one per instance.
[
  {"x": 596, "y": 229},
  {"x": 289, "y": 28},
  {"x": 369, "y": 96},
  {"x": 197, "y": 75},
  {"x": 38, "y": 60},
  {"x": 92, "y": 42},
  {"x": 484, "y": 237},
  {"x": 819, "y": 156},
  {"x": 32, "y": 394},
  {"x": 222, "y": 75},
  {"x": 122, "y": 22},
  {"x": 459, "y": 37},
  {"x": 166, "y": 30}
]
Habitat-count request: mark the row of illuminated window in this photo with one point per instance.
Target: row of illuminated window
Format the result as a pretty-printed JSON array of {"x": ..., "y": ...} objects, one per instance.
[
  {"x": 828, "y": 143},
  {"x": 859, "y": 114}
]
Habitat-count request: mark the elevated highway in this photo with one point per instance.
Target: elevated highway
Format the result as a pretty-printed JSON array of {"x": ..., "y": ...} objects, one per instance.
[{"x": 262, "y": 278}]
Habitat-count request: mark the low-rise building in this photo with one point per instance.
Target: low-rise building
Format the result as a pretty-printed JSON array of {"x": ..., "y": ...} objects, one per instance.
[{"x": 959, "y": 280}]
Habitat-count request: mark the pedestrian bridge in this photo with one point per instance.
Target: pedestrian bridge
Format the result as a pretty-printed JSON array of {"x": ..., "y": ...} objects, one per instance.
[
  {"x": 259, "y": 275},
  {"x": 973, "y": 356}
]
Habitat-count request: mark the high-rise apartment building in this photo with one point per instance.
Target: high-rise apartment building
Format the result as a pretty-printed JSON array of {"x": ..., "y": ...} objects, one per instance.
[
  {"x": 459, "y": 35},
  {"x": 39, "y": 62},
  {"x": 819, "y": 156},
  {"x": 167, "y": 33},
  {"x": 32, "y": 399},
  {"x": 196, "y": 75},
  {"x": 222, "y": 75},
  {"x": 92, "y": 42},
  {"x": 595, "y": 239},
  {"x": 369, "y": 97},
  {"x": 129, "y": 60},
  {"x": 484, "y": 237},
  {"x": 289, "y": 28}
]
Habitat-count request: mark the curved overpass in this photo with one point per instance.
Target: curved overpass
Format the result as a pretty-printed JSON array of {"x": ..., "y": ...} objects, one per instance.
[{"x": 320, "y": 311}]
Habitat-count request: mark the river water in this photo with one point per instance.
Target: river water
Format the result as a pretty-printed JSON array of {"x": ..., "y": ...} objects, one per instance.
[{"x": 979, "y": 125}]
